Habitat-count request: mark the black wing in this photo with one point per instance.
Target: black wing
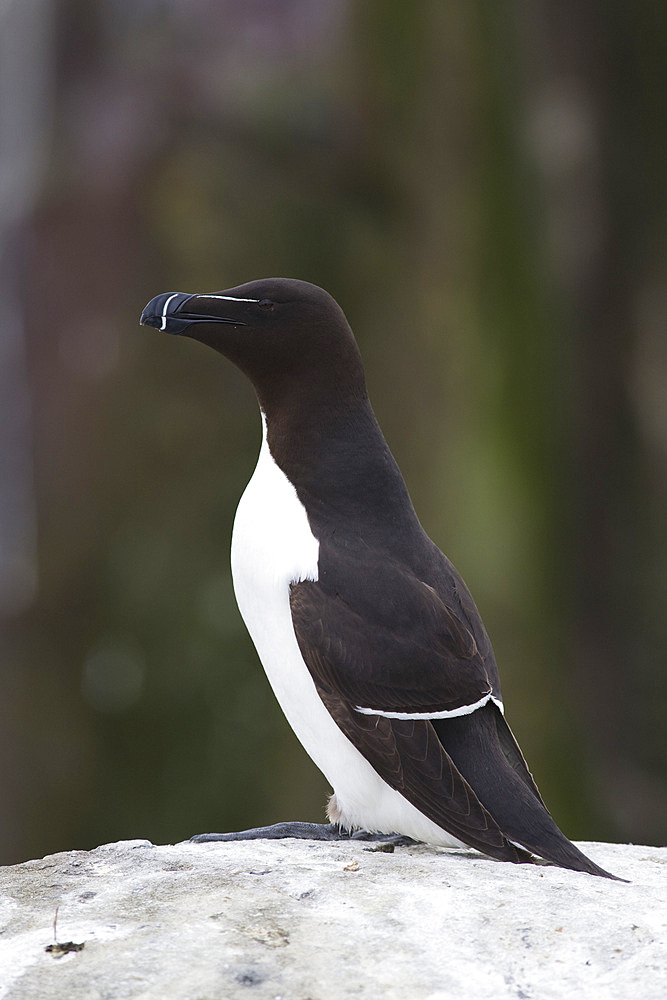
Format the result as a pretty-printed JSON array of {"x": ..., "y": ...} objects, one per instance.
[
  {"x": 465, "y": 773},
  {"x": 391, "y": 642},
  {"x": 342, "y": 648}
]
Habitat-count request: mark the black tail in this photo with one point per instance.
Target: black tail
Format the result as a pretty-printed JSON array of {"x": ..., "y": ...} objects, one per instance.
[{"x": 485, "y": 752}]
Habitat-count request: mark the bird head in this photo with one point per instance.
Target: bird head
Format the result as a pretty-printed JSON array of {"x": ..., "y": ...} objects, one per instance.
[{"x": 287, "y": 336}]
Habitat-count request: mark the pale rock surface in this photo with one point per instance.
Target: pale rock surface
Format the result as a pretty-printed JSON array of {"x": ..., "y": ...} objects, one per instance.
[{"x": 299, "y": 920}]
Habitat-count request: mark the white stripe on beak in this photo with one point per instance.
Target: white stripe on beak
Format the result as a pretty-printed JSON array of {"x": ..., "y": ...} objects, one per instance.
[{"x": 164, "y": 311}]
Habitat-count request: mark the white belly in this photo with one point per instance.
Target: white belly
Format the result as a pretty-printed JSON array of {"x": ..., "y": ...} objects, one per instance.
[{"x": 272, "y": 547}]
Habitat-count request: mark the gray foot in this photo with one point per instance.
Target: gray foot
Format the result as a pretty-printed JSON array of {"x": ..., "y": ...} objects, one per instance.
[{"x": 303, "y": 831}]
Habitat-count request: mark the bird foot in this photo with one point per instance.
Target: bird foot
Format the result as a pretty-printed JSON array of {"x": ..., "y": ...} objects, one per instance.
[{"x": 303, "y": 831}]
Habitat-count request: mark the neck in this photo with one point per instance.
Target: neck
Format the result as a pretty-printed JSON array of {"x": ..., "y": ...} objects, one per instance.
[{"x": 342, "y": 469}]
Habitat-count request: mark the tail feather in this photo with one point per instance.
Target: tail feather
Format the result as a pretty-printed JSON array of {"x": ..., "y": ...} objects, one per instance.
[
  {"x": 512, "y": 752},
  {"x": 505, "y": 787}
]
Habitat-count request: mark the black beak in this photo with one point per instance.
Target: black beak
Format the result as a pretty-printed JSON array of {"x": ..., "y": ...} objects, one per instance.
[{"x": 166, "y": 312}]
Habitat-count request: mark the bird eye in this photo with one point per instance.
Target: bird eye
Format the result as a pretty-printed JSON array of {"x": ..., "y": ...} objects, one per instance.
[{"x": 265, "y": 304}]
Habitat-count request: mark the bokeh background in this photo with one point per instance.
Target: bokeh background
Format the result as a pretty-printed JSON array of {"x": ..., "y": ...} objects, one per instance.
[{"x": 482, "y": 187}]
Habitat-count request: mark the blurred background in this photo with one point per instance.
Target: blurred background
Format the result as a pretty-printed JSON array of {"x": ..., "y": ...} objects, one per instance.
[{"x": 482, "y": 188}]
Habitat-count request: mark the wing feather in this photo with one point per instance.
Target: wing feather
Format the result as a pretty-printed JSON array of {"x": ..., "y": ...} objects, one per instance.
[
  {"x": 406, "y": 753},
  {"x": 396, "y": 647}
]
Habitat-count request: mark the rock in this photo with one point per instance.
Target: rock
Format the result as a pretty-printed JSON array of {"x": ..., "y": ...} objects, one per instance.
[{"x": 301, "y": 920}]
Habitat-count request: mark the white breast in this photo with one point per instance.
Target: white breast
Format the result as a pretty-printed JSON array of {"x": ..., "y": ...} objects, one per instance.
[{"x": 272, "y": 547}]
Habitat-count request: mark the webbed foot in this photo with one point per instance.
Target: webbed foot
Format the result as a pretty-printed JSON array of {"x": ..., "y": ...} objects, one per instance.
[{"x": 303, "y": 831}]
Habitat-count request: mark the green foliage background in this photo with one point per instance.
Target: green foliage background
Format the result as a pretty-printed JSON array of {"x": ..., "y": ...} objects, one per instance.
[{"x": 481, "y": 186}]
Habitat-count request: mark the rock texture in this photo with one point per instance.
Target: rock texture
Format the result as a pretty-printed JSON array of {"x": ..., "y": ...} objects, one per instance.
[{"x": 300, "y": 920}]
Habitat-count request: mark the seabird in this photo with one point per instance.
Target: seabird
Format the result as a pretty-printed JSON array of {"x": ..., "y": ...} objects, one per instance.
[{"x": 368, "y": 635}]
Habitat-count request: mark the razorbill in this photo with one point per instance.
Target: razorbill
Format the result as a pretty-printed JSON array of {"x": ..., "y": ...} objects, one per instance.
[{"x": 369, "y": 637}]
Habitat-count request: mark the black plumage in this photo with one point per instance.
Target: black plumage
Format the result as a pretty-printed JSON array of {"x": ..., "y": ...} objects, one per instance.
[{"x": 388, "y": 630}]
